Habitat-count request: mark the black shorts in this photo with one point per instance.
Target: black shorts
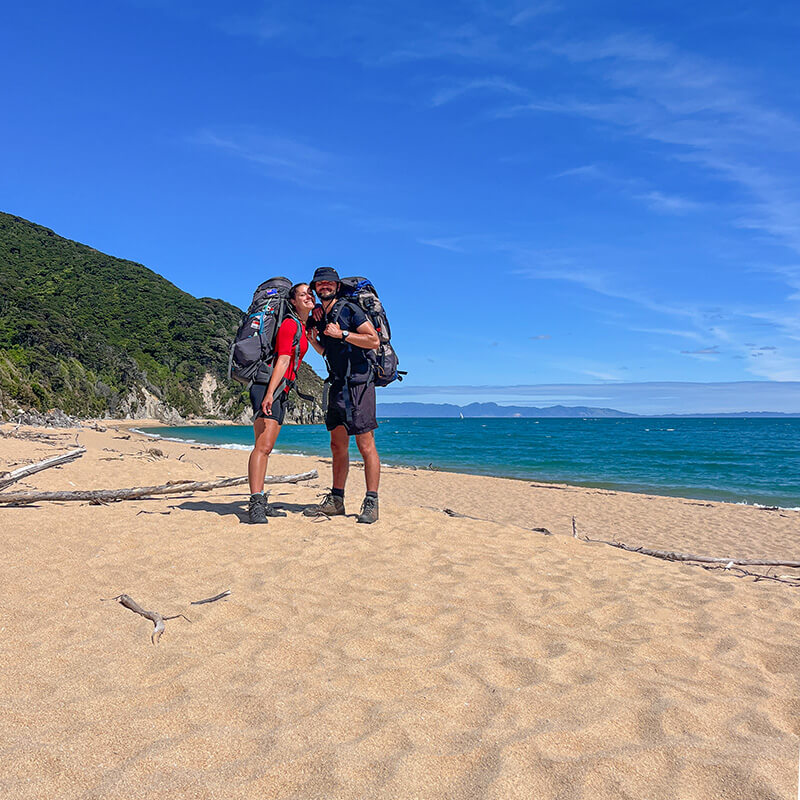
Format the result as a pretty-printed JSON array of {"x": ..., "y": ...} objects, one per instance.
[
  {"x": 362, "y": 404},
  {"x": 257, "y": 392}
]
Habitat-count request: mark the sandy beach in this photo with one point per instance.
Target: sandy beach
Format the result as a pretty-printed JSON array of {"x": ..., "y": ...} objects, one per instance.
[{"x": 426, "y": 656}]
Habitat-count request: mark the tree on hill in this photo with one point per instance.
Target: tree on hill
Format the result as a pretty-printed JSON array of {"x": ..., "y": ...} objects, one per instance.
[{"x": 96, "y": 335}]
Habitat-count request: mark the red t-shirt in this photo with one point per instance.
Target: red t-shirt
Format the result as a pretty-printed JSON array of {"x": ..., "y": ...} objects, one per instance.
[{"x": 283, "y": 345}]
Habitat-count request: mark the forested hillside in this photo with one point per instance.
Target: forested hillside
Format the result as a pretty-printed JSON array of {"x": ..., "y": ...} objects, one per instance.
[{"x": 96, "y": 335}]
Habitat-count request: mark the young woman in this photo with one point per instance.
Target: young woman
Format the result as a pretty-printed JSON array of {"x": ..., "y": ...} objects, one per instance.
[{"x": 269, "y": 401}]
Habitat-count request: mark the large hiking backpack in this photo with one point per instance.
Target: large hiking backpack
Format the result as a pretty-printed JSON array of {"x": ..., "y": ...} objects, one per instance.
[
  {"x": 363, "y": 294},
  {"x": 253, "y": 348}
]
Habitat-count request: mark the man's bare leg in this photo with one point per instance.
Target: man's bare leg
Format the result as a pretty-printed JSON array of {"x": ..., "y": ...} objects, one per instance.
[
  {"x": 340, "y": 450},
  {"x": 372, "y": 461}
]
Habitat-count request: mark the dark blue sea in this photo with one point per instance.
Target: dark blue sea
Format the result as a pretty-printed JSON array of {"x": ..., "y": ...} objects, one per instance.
[{"x": 736, "y": 460}]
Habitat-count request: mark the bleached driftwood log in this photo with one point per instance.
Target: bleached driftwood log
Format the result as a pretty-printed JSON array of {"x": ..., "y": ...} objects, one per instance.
[
  {"x": 670, "y": 555},
  {"x": 731, "y": 565},
  {"x": 99, "y": 496},
  {"x": 31, "y": 469}
]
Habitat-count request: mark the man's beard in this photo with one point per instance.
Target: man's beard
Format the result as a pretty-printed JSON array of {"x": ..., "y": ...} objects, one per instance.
[{"x": 326, "y": 295}]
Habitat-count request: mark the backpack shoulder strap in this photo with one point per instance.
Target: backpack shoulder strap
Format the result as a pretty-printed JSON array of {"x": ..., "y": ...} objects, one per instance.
[
  {"x": 296, "y": 343},
  {"x": 296, "y": 355},
  {"x": 337, "y": 309}
]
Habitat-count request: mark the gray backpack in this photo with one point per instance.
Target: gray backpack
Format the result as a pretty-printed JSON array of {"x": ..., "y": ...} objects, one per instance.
[
  {"x": 362, "y": 293},
  {"x": 253, "y": 349}
]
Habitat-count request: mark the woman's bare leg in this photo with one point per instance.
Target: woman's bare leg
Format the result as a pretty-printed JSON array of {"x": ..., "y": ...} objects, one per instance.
[{"x": 266, "y": 434}]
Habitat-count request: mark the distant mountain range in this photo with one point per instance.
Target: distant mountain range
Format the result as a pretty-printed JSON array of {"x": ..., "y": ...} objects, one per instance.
[
  {"x": 495, "y": 410},
  {"x": 492, "y": 410}
]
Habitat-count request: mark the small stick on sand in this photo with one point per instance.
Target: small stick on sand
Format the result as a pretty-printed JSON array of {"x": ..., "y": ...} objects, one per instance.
[
  {"x": 53, "y": 461},
  {"x": 451, "y": 513},
  {"x": 154, "y": 617},
  {"x": 574, "y": 529},
  {"x": 211, "y": 599},
  {"x": 99, "y": 496}
]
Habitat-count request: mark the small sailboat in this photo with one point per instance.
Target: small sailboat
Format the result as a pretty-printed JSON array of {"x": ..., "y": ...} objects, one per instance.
[{"x": 461, "y": 414}]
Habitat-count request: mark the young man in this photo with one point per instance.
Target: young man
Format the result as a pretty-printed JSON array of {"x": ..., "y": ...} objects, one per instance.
[{"x": 344, "y": 335}]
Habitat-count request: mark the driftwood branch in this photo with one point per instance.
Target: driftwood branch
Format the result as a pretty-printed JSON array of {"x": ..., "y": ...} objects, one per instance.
[
  {"x": 99, "y": 496},
  {"x": 791, "y": 580},
  {"x": 669, "y": 555},
  {"x": 31, "y": 469},
  {"x": 735, "y": 566},
  {"x": 154, "y": 617},
  {"x": 33, "y": 436},
  {"x": 211, "y": 599}
]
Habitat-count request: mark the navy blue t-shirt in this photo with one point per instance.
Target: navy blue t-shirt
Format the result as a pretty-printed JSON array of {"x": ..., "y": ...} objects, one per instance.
[{"x": 337, "y": 352}]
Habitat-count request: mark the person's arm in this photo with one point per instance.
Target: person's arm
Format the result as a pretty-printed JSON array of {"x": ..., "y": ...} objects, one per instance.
[
  {"x": 312, "y": 334},
  {"x": 278, "y": 371},
  {"x": 365, "y": 336}
]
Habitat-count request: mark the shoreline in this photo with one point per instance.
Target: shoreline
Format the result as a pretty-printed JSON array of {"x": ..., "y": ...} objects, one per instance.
[{"x": 545, "y": 483}]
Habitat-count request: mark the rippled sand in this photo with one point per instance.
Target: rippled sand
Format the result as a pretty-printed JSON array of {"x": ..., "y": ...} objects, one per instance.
[{"x": 426, "y": 656}]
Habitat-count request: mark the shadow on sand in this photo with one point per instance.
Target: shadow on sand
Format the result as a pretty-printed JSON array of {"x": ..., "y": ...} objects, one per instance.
[{"x": 237, "y": 508}]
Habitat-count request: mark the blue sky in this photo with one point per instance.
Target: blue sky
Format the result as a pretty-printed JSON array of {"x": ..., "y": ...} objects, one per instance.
[{"x": 559, "y": 193}]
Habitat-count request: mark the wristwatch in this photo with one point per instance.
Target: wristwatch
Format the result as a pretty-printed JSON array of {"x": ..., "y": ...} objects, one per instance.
[{"x": 345, "y": 334}]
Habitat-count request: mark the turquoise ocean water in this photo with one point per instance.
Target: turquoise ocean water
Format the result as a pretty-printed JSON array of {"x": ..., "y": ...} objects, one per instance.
[{"x": 737, "y": 460}]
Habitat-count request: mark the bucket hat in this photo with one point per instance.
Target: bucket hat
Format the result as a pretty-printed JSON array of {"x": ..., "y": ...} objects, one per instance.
[{"x": 324, "y": 274}]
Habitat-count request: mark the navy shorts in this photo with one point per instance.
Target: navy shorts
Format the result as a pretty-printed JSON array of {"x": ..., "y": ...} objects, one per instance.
[
  {"x": 362, "y": 403},
  {"x": 257, "y": 392}
]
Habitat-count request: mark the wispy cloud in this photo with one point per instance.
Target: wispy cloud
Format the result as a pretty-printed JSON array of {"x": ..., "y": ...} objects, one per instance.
[
  {"x": 702, "y": 351},
  {"x": 602, "y": 375},
  {"x": 452, "y": 244},
  {"x": 564, "y": 267},
  {"x": 467, "y": 42},
  {"x": 685, "y": 334},
  {"x": 490, "y": 84},
  {"x": 774, "y": 366},
  {"x": 657, "y": 92},
  {"x": 261, "y": 26},
  {"x": 636, "y": 188},
  {"x": 669, "y": 203},
  {"x": 532, "y": 11},
  {"x": 279, "y": 157},
  {"x": 779, "y": 366},
  {"x": 702, "y": 116},
  {"x": 583, "y": 171}
]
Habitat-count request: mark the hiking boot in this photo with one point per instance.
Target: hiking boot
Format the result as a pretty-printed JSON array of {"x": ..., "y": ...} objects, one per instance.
[
  {"x": 369, "y": 510},
  {"x": 257, "y": 510},
  {"x": 272, "y": 511},
  {"x": 331, "y": 506}
]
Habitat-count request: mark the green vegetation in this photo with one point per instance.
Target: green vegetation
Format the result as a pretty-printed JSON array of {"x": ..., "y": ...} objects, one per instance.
[{"x": 90, "y": 334}]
